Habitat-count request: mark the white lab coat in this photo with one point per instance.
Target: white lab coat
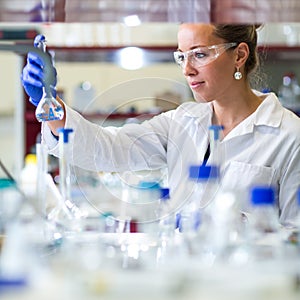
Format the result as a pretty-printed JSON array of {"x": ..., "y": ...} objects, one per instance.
[{"x": 264, "y": 149}]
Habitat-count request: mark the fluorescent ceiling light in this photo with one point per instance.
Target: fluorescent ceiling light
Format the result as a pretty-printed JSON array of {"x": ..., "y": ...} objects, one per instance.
[{"x": 132, "y": 20}]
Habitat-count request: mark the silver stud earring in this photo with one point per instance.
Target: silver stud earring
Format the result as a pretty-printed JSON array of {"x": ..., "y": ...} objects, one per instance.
[{"x": 238, "y": 75}]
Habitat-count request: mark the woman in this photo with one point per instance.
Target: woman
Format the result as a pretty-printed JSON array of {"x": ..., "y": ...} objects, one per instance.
[{"x": 260, "y": 141}]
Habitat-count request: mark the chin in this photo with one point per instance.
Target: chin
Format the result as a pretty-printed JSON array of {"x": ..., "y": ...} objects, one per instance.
[{"x": 200, "y": 99}]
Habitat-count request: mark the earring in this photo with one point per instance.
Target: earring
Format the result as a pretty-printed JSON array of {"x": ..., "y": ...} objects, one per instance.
[{"x": 238, "y": 75}]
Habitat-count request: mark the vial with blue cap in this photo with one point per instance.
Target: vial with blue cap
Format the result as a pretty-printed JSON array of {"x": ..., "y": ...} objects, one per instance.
[
  {"x": 202, "y": 188},
  {"x": 263, "y": 230},
  {"x": 165, "y": 214},
  {"x": 263, "y": 213},
  {"x": 166, "y": 228}
]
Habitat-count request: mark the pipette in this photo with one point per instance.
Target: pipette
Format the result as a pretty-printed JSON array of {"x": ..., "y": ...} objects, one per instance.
[{"x": 48, "y": 109}]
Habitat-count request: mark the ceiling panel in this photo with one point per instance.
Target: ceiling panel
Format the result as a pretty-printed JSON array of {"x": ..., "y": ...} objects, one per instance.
[
  {"x": 228, "y": 11},
  {"x": 104, "y": 10}
]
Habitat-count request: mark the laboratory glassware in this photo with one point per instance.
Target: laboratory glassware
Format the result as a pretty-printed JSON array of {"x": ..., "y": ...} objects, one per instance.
[
  {"x": 166, "y": 227},
  {"x": 215, "y": 149},
  {"x": 42, "y": 171},
  {"x": 65, "y": 173},
  {"x": 48, "y": 109}
]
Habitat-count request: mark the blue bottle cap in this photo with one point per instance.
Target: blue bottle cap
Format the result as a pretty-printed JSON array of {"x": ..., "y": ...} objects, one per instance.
[
  {"x": 164, "y": 193},
  {"x": 6, "y": 183},
  {"x": 263, "y": 195},
  {"x": 216, "y": 129},
  {"x": 65, "y": 132},
  {"x": 203, "y": 172},
  {"x": 12, "y": 283},
  {"x": 148, "y": 184}
]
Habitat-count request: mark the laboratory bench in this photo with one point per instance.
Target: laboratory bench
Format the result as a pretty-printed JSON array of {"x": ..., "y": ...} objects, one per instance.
[
  {"x": 97, "y": 256},
  {"x": 80, "y": 273}
]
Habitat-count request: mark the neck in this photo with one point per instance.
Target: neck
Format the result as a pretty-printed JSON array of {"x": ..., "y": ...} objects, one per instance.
[{"x": 233, "y": 111}]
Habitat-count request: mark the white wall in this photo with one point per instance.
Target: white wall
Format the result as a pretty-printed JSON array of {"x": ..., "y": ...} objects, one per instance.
[
  {"x": 11, "y": 108},
  {"x": 8, "y": 81}
]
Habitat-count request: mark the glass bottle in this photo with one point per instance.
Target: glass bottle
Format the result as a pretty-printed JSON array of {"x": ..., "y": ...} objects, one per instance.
[{"x": 263, "y": 227}]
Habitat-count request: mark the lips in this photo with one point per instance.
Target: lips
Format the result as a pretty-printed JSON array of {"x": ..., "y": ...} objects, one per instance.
[{"x": 196, "y": 84}]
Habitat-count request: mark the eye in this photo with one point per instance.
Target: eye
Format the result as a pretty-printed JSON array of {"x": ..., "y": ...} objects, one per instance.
[
  {"x": 200, "y": 53},
  {"x": 179, "y": 57}
]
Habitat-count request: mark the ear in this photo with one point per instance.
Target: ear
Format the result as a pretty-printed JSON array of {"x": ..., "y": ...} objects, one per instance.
[{"x": 242, "y": 51}]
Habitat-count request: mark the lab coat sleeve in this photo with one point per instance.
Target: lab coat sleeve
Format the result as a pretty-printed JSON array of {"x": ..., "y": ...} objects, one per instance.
[
  {"x": 113, "y": 149},
  {"x": 289, "y": 186}
]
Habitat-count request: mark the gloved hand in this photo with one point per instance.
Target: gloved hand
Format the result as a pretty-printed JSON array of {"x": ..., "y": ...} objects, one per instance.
[{"x": 32, "y": 77}]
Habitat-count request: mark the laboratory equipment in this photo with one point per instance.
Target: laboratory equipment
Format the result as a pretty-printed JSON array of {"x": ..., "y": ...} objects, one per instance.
[
  {"x": 263, "y": 227},
  {"x": 166, "y": 227},
  {"x": 289, "y": 91},
  {"x": 28, "y": 177},
  {"x": 166, "y": 218},
  {"x": 42, "y": 171},
  {"x": 214, "y": 141},
  {"x": 10, "y": 203},
  {"x": 65, "y": 180},
  {"x": 48, "y": 109},
  {"x": 202, "y": 188}
]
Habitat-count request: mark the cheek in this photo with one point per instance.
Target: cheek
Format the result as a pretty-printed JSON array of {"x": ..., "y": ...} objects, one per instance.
[
  {"x": 220, "y": 75},
  {"x": 217, "y": 81}
]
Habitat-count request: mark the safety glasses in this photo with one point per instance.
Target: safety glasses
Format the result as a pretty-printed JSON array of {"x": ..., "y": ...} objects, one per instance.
[{"x": 201, "y": 56}]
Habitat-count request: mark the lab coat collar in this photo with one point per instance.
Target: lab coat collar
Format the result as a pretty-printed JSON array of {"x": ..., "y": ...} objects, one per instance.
[
  {"x": 269, "y": 112},
  {"x": 198, "y": 111}
]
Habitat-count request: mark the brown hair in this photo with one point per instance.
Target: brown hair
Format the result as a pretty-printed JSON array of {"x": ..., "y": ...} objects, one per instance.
[{"x": 239, "y": 33}]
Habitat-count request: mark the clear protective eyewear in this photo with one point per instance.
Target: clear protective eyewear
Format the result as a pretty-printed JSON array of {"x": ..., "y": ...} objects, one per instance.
[{"x": 201, "y": 56}]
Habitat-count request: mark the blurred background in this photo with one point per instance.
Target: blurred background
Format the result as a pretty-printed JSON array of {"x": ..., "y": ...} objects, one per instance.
[{"x": 115, "y": 57}]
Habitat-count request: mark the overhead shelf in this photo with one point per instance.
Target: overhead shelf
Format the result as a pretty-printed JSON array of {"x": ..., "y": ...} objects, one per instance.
[
  {"x": 151, "y": 54},
  {"x": 154, "y": 54}
]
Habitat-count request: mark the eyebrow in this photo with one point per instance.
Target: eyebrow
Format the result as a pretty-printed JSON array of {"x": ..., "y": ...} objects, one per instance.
[{"x": 192, "y": 48}]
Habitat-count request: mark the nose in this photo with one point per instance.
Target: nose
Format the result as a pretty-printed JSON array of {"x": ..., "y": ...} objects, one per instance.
[{"x": 187, "y": 68}]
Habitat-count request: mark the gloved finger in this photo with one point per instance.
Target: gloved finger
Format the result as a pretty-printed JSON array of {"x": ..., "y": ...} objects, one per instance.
[
  {"x": 28, "y": 77},
  {"x": 34, "y": 101},
  {"x": 32, "y": 71},
  {"x": 36, "y": 65},
  {"x": 35, "y": 59}
]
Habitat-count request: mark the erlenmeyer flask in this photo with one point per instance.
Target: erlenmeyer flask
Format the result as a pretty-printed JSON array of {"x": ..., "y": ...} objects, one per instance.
[{"x": 48, "y": 109}]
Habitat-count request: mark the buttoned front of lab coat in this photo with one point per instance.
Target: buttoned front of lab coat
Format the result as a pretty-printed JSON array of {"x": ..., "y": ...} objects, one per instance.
[{"x": 264, "y": 149}]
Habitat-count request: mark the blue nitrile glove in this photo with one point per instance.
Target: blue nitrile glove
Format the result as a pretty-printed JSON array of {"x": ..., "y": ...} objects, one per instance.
[{"x": 32, "y": 77}]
